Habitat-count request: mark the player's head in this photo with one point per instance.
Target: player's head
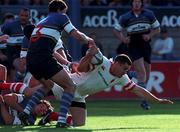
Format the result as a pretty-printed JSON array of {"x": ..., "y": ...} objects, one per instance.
[
  {"x": 42, "y": 108},
  {"x": 122, "y": 64},
  {"x": 7, "y": 17},
  {"x": 137, "y": 4},
  {"x": 57, "y": 6},
  {"x": 24, "y": 16},
  {"x": 28, "y": 30}
]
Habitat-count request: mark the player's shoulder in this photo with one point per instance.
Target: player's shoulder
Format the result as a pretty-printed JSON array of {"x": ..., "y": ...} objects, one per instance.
[
  {"x": 148, "y": 12},
  {"x": 126, "y": 15}
]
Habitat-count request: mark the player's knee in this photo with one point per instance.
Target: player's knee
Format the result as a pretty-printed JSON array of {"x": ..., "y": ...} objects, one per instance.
[{"x": 70, "y": 87}]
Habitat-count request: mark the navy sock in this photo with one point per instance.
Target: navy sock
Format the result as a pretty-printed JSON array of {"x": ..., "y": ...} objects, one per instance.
[
  {"x": 64, "y": 106},
  {"x": 34, "y": 100}
]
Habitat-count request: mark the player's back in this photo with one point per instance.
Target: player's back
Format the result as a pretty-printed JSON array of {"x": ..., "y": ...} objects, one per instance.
[{"x": 47, "y": 33}]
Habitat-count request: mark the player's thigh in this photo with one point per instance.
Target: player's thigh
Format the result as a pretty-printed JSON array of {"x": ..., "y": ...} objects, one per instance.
[
  {"x": 47, "y": 85},
  {"x": 63, "y": 79},
  {"x": 79, "y": 115},
  {"x": 139, "y": 65}
]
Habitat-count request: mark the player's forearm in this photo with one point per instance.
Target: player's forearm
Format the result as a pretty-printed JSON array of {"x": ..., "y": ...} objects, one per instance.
[
  {"x": 84, "y": 64},
  {"x": 145, "y": 94},
  {"x": 118, "y": 34},
  {"x": 80, "y": 36},
  {"x": 7, "y": 118},
  {"x": 60, "y": 58}
]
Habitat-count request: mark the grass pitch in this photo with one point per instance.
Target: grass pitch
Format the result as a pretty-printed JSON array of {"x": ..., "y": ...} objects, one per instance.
[{"x": 118, "y": 116}]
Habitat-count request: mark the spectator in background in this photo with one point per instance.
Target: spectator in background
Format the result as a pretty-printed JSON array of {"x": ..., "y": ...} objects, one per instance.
[
  {"x": 163, "y": 46},
  {"x": 15, "y": 31},
  {"x": 36, "y": 2},
  {"x": 98, "y": 3},
  {"x": 85, "y": 47},
  {"x": 147, "y": 3},
  {"x": 85, "y": 2},
  {"x": 115, "y": 3},
  {"x": 160, "y": 2},
  {"x": 24, "y": 2},
  {"x": 175, "y": 2}
]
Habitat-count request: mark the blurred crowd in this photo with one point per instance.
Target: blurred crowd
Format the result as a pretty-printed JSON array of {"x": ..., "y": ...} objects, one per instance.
[{"x": 147, "y": 3}]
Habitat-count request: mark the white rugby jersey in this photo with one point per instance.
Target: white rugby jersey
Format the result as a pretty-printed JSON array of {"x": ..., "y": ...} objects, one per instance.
[{"x": 99, "y": 79}]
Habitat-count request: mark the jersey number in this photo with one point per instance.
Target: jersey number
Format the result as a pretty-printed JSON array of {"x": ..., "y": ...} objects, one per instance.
[{"x": 38, "y": 34}]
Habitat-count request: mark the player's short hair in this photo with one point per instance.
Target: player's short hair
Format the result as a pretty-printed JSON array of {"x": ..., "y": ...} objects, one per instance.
[
  {"x": 122, "y": 58},
  {"x": 141, "y": 2},
  {"x": 54, "y": 5},
  {"x": 25, "y": 9},
  {"x": 47, "y": 103},
  {"x": 8, "y": 16}
]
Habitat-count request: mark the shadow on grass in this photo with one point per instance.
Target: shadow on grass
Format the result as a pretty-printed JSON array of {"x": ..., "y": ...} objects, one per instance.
[
  {"x": 51, "y": 128},
  {"x": 54, "y": 129},
  {"x": 124, "y": 128}
]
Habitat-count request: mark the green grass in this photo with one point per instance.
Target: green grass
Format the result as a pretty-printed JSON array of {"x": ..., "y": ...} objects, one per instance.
[{"x": 118, "y": 116}]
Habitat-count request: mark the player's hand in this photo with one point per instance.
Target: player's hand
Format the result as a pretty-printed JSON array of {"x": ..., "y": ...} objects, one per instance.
[
  {"x": 93, "y": 50},
  {"x": 126, "y": 40},
  {"x": 74, "y": 66},
  {"x": 146, "y": 37},
  {"x": 91, "y": 42},
  {"x": 165, "y": 101},
  {"x": 4, "y": 38}
]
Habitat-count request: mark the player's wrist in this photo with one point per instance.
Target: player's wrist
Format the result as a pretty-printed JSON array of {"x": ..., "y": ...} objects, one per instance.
[{"x": 69, "y": 64}]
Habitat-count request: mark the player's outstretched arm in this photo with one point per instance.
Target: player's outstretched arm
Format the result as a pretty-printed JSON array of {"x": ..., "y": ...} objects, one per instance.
[{"x": 141, "y": 92}]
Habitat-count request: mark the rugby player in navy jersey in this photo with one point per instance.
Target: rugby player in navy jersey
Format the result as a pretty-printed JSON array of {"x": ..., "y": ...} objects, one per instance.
[
  {"x": 141, "y": 25},
  {"x": 11, "y": 104},
  {"x": 43, "y": 66},
  {"x": 14, "y": 29}
]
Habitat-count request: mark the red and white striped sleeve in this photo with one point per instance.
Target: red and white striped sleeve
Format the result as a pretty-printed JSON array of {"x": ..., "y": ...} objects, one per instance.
[
  {"x": 126, "y": 83},
  {"x": 129, "y": 86}
]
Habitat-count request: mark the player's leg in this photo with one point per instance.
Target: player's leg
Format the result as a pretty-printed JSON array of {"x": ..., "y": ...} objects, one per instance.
[
  {"x": 141, "y": 76},
  {"x": 148, "y": 70},
  {"x": 63, "y": 79},
  {"x": 79, "y": 113},
  {"x": 140, "y": 69},
  {"x": 6, "y": 117}
]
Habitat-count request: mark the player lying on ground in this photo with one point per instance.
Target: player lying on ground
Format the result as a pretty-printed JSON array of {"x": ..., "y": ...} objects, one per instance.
[{"x": 12, "y": 104}]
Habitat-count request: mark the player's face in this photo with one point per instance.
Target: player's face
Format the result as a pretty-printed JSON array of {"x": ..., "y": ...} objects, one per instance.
[
  {"x": 136, "y": 4},
  {"x": 24, "y": 17},
  {"x": 122, "y": 69},
  {"x": 40, "y": 109}
]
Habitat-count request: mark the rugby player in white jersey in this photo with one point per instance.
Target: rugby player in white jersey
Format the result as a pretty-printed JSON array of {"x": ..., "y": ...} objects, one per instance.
[{"x": 97, "y": 73}]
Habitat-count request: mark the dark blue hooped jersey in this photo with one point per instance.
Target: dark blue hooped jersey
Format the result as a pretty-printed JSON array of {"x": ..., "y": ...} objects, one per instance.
[
  {"x": 24, "y": 47},
  {"x": 49, "y": 28},
  {"x": 15, "y": 31},
  {"x": 16, "y": 121},
  {"x": 138, "y": 24}
]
